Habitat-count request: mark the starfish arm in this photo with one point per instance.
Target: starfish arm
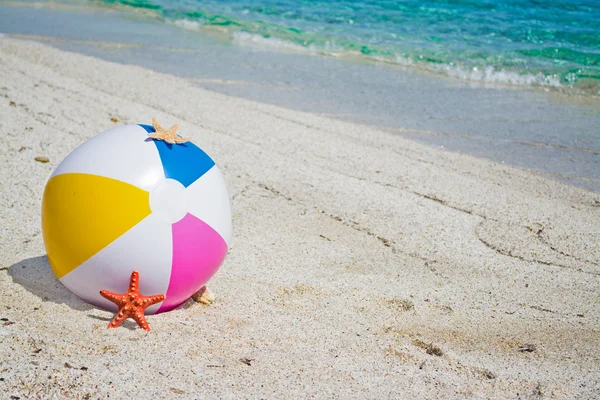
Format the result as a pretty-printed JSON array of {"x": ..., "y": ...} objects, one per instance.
[
  {"x": 134, "y": 282},
  {"x": 173, "y": 130},
  {"x": 155, "y": 135},
  {"x": 182, "y": 140},
  {"x": 118, "y": 299},
  {"x": 118, "y": 319},
  {"x": 150, "y": 300},
  {"x": 156, "y": 125},
  {"x": 139, "y": 317}
]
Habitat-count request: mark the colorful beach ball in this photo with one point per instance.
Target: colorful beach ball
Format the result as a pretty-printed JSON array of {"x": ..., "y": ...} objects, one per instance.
[{"x": 121, "y": 202}]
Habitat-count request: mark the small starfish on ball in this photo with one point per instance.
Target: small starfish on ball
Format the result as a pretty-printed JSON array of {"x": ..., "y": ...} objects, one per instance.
[
  {"x": 131, "y": 304},
  {"x": 168, "y": 135}
]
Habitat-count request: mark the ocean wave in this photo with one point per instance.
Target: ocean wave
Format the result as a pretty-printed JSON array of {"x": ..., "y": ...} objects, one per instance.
[
  {"x": 483, "y": 74},
  {"x": 488, "y": 74},
  {"x": 534, "y": 62}
]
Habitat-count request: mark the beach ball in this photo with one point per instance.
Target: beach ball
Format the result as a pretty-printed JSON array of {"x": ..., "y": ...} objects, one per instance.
[{"x": 123, "y": 201}]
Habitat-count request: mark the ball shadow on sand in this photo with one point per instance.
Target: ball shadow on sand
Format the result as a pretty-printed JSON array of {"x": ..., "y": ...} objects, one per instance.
[{"x": 35, "y": 275}]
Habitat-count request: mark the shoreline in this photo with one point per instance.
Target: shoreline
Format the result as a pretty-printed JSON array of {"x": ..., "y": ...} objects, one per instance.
[
  {"x": 517, "y": 126},
  {"x": 507, "y": 79},
  {"x": 363, "y": 264}
]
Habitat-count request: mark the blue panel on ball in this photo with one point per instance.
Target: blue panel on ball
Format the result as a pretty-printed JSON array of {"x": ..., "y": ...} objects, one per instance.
[
  {"x": 184, "y": 162},
  {"x": 148, "y": 128}
]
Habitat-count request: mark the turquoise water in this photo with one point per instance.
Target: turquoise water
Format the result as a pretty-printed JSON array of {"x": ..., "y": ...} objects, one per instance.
[{"x": 525, "y": 42}]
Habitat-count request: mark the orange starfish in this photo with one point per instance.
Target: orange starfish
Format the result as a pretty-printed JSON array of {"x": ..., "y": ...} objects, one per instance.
[
  {"x": 131, "y": 304},
  {"x": 168, "y": 135}
]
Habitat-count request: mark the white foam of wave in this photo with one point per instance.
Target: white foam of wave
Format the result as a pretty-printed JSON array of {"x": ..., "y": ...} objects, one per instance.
[
  {"x": 488, "y": 74},
  {"x": 328, "y": 48},
  {"x": 188, "y": 24},
  {"x": 492, "y": 75},
  {"x": 405, "y": 61},
  {"x": 244, "y": 37}
]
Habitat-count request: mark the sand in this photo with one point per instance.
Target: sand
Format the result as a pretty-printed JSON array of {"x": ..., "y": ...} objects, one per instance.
[{"x": 363, "y": 265}]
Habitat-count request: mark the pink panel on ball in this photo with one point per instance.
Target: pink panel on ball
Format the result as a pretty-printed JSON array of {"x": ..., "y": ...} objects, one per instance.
[{"x": 198, "y": 251}]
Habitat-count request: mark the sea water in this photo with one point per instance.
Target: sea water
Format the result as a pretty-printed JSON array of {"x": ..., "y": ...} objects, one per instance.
[{"x": 524, "y": 42}]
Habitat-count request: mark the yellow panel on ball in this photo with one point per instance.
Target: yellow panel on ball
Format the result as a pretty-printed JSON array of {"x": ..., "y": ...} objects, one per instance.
[{"x": 83, "y": 213}]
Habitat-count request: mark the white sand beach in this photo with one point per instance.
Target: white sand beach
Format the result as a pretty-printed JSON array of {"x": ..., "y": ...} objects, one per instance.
[{"x": 363, "y": 265}]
